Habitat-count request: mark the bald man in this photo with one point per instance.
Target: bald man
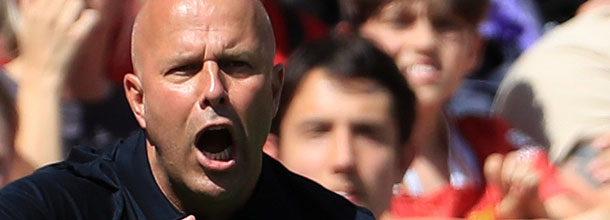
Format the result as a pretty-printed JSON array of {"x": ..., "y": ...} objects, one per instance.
[{"x": 204, "y": 92}]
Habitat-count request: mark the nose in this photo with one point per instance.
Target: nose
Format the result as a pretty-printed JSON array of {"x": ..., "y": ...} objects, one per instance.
[
  {"x": 214, "y": 93},
  {"x": 343, "y": 155},
  {"x": 423, "y": 37}
]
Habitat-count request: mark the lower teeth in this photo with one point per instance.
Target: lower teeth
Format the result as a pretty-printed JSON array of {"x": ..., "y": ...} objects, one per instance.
[{"x": 223, "y": 155}]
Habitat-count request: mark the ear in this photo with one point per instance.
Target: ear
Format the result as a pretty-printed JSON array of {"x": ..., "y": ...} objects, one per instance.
[
  {"x": 135, "y": 97},
  {"x": 277, "y": 82}
]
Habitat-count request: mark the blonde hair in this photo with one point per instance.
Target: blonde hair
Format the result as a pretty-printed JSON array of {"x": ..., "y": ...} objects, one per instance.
[{"x": 9, "y": 15}]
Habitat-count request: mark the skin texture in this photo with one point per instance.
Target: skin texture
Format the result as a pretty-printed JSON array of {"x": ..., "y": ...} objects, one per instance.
[
  {"x": 341, "y": 133},
  {"x": 209, "y": 62}
]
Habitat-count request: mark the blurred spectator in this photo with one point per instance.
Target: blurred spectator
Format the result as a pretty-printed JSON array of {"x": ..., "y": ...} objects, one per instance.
[
  {"x": 435, "y": 45},
  {"x": 64, "y": 51},
  {"x": 344, "y": 116},
  {"x": 559, "y": 93}
]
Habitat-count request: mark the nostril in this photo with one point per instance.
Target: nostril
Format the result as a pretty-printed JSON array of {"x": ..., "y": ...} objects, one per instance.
[{"x": 212, "y": 102}]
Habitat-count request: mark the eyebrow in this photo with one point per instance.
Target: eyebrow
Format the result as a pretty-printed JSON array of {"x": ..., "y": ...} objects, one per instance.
[
  {"x": 180, "y": 59},
  {"x": 228, "y": 53}
]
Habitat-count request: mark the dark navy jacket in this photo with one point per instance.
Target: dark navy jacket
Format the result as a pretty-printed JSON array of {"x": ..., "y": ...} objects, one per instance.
[{"x": 117, "y": 183}]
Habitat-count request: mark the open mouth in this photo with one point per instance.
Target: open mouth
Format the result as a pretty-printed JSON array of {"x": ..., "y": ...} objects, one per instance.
[{"x": 216, "y": 143}]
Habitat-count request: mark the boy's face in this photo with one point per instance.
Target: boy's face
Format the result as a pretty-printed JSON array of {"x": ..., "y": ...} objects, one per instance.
[
  {"x": 434, "y": 50},
  {"x": 342, "y": 134}
]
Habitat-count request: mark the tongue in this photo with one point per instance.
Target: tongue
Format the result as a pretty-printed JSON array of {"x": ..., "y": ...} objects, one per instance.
[{"x": 214, "y": 141}]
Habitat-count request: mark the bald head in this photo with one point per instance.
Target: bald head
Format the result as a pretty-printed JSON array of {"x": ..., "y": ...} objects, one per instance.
[{"x": 159, "y": 20}]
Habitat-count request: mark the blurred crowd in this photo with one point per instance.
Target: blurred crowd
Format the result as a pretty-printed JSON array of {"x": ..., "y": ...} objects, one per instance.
[{"x": 477, "y": 109}]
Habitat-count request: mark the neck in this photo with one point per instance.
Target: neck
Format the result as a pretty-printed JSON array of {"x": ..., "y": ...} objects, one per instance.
[
  {"x": 430, "y": 141},
  {"x": 430, "y": 133}
]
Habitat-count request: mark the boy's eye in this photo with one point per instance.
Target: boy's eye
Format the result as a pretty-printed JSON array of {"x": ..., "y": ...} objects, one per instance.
[
  {"x": 316, "y": 130},
  {"x": 397, "y": 21}
]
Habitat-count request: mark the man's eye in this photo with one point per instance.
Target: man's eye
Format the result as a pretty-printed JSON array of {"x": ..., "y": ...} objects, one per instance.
[
  {"x": 234, "y": 67},
  {"x": 187, "y": 70}
]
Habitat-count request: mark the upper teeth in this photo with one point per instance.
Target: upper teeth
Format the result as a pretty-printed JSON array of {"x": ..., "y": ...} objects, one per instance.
[
  {"x": 422, "y": 68},
  {"x": 216, "y": 128},
  {"x": 223, "y": 155}
]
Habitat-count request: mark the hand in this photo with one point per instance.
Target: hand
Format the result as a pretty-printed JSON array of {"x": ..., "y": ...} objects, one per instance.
[
  {"x": 102, "y": 51},
  {"x": 600, "y": 165},
  {"x": 516, "y": 175},
  {"x": 51, "y": 32}
]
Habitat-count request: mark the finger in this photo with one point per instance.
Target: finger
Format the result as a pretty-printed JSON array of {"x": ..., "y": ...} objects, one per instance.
[
  {"x": 493, "y": 168},
  {"x": 513, "y": 204},
  {"x": 509, "y": 205},
  {"x": 600, "y": 161},
  {"x": 600, "y": 169},
  {"x": 602, "y": 142},
  {"x": 71, "y": 12},
  {"x": 84, "y": 25},
  {"x": 509, "y": 165},
  {"x": 52, "y": 9},
  {"x": 524, "y": 167},
  {"x": 531, "y": 181}
]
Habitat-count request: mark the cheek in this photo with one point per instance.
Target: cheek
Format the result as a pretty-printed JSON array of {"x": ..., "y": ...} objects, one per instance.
[
  {"x": 167, "y": 109},
  {"x": 302, "y": 157},
  {"x": 170, "y": 103},
  {"x": 253, "y": 103},
  {"x": 377, "y": 168}
]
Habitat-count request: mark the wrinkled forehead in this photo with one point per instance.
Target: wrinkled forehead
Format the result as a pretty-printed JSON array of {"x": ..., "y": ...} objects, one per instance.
[{"x": 168, "y": 25}]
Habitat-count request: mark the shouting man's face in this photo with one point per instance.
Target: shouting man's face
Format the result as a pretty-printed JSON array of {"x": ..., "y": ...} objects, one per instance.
[{"x": 205, "y": 91}]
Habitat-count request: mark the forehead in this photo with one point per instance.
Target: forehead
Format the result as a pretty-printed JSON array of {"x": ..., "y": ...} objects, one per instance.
[
  {"x": 215, "y": 21},
  {"x": 172, "y": 28},
  {"x": 428, "y": 7},
  {"x": 328, "y": 92}
]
